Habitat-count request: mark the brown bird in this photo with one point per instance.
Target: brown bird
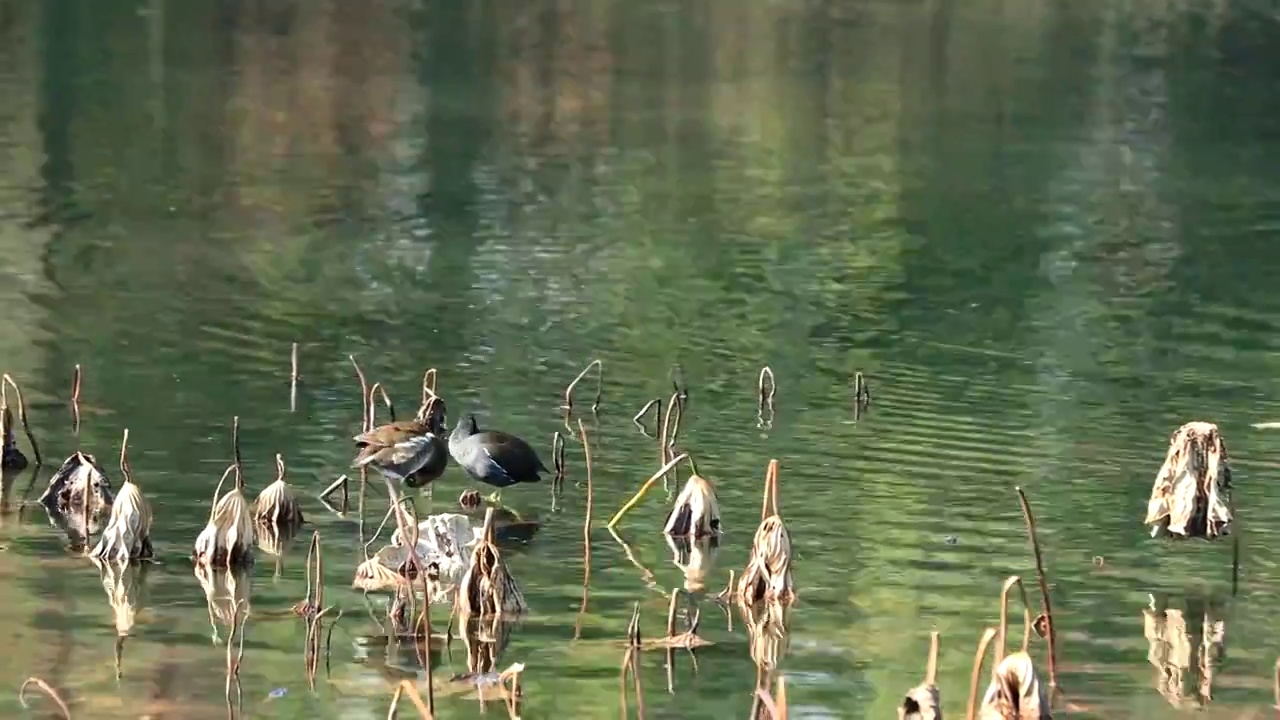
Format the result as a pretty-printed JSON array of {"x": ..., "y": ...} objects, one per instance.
[{"x": 409, "y": 452}]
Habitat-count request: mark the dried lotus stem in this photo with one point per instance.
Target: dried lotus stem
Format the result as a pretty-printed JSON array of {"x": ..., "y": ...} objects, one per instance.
[
  {"x": 568, "y": 391},
  {"x": 235, "y": 450},
  {"x": 657, "y": 421},
  {"x": 557, "y": 455},
  {"x": 1009, "y": 584},
  {"x": 376, "y": 390},
  {"x": 662, "y": 471},
  {"x": 75, "y": 399},
  {"x": 1050, "y": 630},
  {"x": 364, "y": 394},
  {"x": 974, "y": 678},
  {"x": 47, "y": 690},
  {"x": 22, "y": 417},
  {"x": 586, "y": 453},
  {"x": 429, "y": 385},
  {"x": 861, "y": 392},
  {"x": 293, "y": 378},
  {"x": 766, "y": 389}
]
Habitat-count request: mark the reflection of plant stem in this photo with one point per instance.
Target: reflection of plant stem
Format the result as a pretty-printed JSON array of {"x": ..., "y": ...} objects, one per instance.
[
  {"x": 646, "y": 574},
  {"x": 586, "y": 533},
  {"x": 568, "y": 391},
  {"x": 47, "y": 690},
  {"x": 657, "y": 419},
  {"x": 293, "y": 378}
]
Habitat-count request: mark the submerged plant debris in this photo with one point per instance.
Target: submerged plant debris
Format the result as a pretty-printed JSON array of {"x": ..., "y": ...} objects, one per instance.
[{"x": 1191, "y": 496}]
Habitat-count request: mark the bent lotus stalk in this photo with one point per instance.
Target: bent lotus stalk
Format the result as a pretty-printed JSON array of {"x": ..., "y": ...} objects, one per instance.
[
  {"x": 1191, "y": 496},
  {"x": 127, "y": 536},
  {"x": 568, "y": 391},
  {"x": 8, "y": 380}
]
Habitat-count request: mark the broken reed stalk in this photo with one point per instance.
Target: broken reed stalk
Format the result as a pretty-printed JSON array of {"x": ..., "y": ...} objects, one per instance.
[
  {"x": 662, "y": 471},
  {"x": 568, "y": 391},
  {"x": 764, "y": 395},
  {"x": 22, "y": 416},
  {"x": 76, "y": 378},
  {"x": 293, "y": 378},
  {"x": 657, "y": 420},
  {"x": 47, "y": 690},
  {"x": 976, "y": 675},
  {"x": 1051, "y": 632}
]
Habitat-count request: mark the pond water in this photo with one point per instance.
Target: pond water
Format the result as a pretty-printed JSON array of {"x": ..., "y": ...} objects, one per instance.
[{"x": 1045, "y": 231}]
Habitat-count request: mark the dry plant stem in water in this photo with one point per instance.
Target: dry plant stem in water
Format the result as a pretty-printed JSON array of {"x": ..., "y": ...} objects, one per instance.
[
  {"x": 976, "y": 675},
  {"x": 293, "y": 378},
  {"x": 638, "y": 419},
  {"x": 342, "y": 483},
  {"x": 662, "y": 471},
  {"x": 1051, "y": 630},
  {"x": 669, "y": 432},
  {"x": 47, "y": 690},
  {"x": 76, "y": 379},
  {"x": 923, "y": 701},
  {"x": 766, "y": 389},
  {"x": 128, "y": 533},
  {"x": 1009, "y": 584},
  {"x": 568, "y": 391},
  {"x": 8, "y": 381}
]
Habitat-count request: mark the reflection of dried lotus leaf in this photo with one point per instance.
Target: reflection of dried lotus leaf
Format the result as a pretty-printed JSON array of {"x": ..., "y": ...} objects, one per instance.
[
  {"x": 1182, "y": 646},
  {"x": 274, "y": 540},
  {"x": 128, "y": 533},
  {"x": 123, "y": 583},
  {"x": 768, "y": 631},
  {"x": 1191, "y": 496},
  {"x": 487, "y": 588},
  {"x": 695, "y": 558},
  {"x": 227, "y": 593},
  {"x": 1015, "y": 692},
  {"x": 228, "y": 538},
  {"x": 79, "y": 474},
  {"x": 696, "y": 512}
]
